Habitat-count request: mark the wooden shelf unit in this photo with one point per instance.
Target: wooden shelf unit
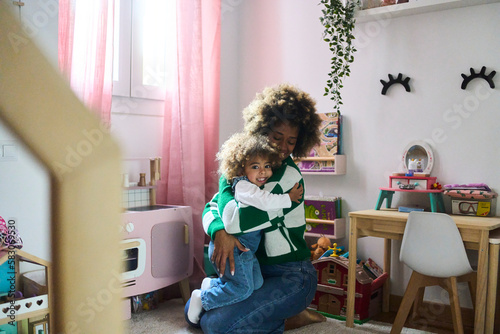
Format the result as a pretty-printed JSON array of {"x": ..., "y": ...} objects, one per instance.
[
  {"x": 340, "y": 164},
  {"x": 26, "y": 307}
]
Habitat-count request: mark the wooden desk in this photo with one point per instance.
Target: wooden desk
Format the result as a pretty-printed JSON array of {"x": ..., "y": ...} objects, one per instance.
[{"x": 391, "y": 224}]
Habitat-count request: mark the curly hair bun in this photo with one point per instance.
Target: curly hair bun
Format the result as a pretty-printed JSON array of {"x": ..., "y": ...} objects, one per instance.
[
  {"x": 240, "y": 148},
  {"x": 284, "y": 104}
]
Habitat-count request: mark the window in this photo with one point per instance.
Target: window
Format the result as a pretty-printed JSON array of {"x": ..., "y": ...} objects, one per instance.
[{"x": 144, "y": 35}]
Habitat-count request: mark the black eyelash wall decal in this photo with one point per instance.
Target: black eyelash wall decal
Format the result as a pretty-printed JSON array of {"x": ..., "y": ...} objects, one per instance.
[
  {"x": 392, "y": 81},
  {"x": 482, "y": 74}
]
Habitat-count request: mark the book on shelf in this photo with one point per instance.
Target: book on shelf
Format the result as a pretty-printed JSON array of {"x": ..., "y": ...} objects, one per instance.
[
  {"x": 326, "y": 208},
  {"x": 322, "y": 208},
  {"x": 330, "y": 145},
  {"x": 408, "y": 209},
  {"x": 368, "y": 271},
  {"x": 373, "y": 268}
]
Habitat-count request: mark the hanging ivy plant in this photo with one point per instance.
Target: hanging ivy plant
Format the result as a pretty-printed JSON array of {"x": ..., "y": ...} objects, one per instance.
[{"x": 338, "y": 20}]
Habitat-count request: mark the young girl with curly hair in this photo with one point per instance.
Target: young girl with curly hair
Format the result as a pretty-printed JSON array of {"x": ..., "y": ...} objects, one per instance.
[
  {"x": 287, "y": 117},
  {"x": 246, "y": 162}
]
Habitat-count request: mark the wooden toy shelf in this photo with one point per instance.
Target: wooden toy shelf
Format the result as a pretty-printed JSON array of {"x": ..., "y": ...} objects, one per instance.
[{"x": 23, "y": 308}]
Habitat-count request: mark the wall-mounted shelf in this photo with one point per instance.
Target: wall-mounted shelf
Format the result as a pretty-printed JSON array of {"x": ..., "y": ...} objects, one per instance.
[
  {"x": 333, "y": 229},
  {"x": 415, "y": 7},
  {"x": 139, "y": 187},
  {"x": 339, "y": 165}
]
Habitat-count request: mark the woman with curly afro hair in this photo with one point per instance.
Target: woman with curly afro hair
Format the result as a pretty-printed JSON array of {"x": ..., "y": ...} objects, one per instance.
[
  {"x": 287, "y": 117},
  {"x": 246, "y": 162},
  {"x": 282, "y": 107}
]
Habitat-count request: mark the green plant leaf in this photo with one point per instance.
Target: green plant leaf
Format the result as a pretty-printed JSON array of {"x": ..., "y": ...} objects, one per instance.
[{"x": 338, "y": 22}]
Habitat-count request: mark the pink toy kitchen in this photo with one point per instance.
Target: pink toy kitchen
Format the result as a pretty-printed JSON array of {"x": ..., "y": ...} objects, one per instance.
[{"x": 157, "y": 240}]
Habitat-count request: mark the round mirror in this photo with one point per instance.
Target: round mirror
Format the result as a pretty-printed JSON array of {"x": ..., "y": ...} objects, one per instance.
[{"x": 418, "y": 157}]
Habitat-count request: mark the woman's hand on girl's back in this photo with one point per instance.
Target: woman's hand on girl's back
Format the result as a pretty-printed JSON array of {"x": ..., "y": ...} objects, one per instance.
[
  {"x": 296, "y": 193},
  {"x": 224, "y": 244}
]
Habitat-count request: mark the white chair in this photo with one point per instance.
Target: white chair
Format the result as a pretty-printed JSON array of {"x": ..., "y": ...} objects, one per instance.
[{"x": 433, "y": 248}]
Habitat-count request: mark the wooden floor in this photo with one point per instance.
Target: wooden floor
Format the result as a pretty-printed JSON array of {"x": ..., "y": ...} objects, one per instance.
[{"x": 440, "y": 327}]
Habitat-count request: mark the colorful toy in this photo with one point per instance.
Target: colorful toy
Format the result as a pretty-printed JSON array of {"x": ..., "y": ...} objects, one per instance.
[
  {"x": 436, "y": 185},
  {"x": 387, "y": 2},
  {"x": 335, "y": 250},
  {"x": 145, "y": 302},
  {"x": 331, "y": 294},
  {"x": 17, "y": 305},
  {"x": 9, "y": 236},
  {"x": 410, "y": 186},
  {"x": 320, "y": 247}
]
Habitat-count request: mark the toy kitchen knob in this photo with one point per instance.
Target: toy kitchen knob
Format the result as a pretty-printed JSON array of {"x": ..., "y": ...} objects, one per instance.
[{"x": 129, "y": 227}]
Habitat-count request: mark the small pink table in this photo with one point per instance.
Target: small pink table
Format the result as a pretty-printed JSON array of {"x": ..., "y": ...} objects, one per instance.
[
  {"x": 435, "y": 196},
  {"x": 419, "y": 184}
]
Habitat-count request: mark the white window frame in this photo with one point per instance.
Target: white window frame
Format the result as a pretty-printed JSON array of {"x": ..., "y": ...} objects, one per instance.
[
  {"x": 130, "y": 53},
  {"x": 122, "y": 35}
]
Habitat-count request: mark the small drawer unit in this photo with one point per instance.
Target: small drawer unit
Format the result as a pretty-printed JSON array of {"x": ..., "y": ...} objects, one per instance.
[{"x": 411, "y": 182}]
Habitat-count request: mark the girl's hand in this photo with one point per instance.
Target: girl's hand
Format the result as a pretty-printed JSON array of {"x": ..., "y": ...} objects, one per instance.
[
  {"x": 296, "y": 193},
  {"x": 224, "y": 244}
]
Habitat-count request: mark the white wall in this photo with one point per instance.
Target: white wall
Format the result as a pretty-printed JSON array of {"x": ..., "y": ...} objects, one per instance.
[
  {"x": 24, "y": 183},
  {"x": 137, "y": 124},
  {"x": 281, "y": 41}
]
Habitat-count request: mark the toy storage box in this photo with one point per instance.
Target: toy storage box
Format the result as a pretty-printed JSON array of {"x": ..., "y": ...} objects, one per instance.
[
  {"x": 471, "y": 207},
  {"x": 472, "y": 202}
]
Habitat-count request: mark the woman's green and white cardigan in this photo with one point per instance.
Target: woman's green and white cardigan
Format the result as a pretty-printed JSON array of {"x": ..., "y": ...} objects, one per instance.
[{"x": 283, "y": 230}]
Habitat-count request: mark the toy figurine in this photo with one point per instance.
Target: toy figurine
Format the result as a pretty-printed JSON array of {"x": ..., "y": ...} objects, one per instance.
[
  {"x": 436, "y": 185},
  {"x": 419, "y": 166},
  {"x": 335, "y": 250},
  {"x": 320, "y": 247}
]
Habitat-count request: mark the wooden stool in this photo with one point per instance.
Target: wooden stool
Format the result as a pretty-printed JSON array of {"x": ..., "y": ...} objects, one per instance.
[{"x": 492, "y": 280}]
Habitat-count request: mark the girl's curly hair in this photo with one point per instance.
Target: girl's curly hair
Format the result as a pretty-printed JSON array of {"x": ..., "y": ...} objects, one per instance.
[
  {"x": 242, "y": 147},
  {"x": 284, "y": 104}
]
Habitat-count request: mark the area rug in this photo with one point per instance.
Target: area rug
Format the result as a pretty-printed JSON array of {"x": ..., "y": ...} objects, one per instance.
[{"x": 169, "y": 318}]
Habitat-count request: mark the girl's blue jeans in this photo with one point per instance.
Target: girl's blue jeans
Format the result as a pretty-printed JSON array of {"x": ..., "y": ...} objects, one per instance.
[
  {"x": 230, "y": 289},
  {"x": 287, "y": 290}
]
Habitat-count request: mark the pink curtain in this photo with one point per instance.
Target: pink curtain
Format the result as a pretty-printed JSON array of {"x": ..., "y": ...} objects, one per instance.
[
  {"x": 85, "y": 51},
  {"x": 191, "y": 122}
]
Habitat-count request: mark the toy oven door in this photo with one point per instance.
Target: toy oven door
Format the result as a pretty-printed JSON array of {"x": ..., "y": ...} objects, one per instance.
[{"x": 134, "y": 258}]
